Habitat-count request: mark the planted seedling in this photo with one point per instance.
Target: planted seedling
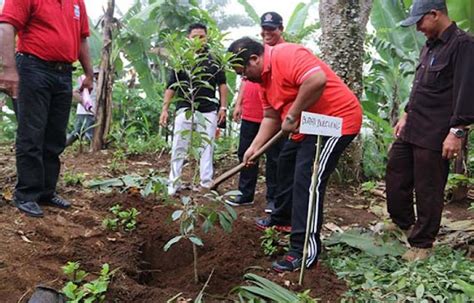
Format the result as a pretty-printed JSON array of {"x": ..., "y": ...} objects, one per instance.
[
  {"x": 191, "y": 215},
  {"x": 73, "y": 179}
]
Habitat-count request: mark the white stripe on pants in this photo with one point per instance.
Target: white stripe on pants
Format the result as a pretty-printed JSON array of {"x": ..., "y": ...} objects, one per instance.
[{"x": 181, "y": 144}]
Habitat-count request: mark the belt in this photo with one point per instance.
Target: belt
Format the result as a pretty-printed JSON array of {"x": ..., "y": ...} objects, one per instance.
[{"x": 55, "y": 65}]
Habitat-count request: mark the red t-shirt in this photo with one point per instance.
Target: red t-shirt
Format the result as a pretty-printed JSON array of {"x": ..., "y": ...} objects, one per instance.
[
  {"x": 287, "y": 66},
  {"x": 51, "y": 30},
  {"x": 252, "y": 109}
]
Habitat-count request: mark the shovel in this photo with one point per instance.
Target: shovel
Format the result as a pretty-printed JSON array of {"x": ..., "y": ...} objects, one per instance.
[{"x": 239, "y": 167}]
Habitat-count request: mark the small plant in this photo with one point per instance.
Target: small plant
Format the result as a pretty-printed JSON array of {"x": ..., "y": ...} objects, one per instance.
[
  {"x": 262, "y": 289},
  {"x": 78, "y": 290},
  {"x": 366, "y": 187},
  {"x": 117, "y": 165},
  {"x": 192, "y": 214},
  {"x": 122, "y": 218},
  {"x": 471, "y": 207},
  {"x": 73, "y": 179},
  {"x": 270, "y": 240}
]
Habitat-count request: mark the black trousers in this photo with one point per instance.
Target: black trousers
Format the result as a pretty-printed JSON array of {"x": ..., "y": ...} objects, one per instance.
[
  {"x": 248, "y": 176},
  {"x": 42, "y": 111},
  {"x": 413, "y": 169},
  {"x": 294, "y": 179}
]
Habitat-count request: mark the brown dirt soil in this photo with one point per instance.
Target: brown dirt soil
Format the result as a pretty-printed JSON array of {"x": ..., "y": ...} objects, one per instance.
[{"x": 32, "y": 251}]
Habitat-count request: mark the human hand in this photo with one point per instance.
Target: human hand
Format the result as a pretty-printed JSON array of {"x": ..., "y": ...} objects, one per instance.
[
  {"x": 237, "y": 115},
  {"x": 290, "y": 124},
  {"x": 9, "y": 80},
  {"x": 397, "y": 130},
  {"x": 221, "y": 116},
  {"x": 87, "y": 83},
  {"x": 164, "y": 118},
  {"x": 451, "y": 146},
  {"x": 247, "y": 155}
]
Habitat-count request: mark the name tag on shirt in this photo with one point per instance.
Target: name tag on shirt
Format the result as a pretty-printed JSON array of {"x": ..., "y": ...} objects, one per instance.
[
  {"x": 77, "y": 12},
  {"x": 316, "y": 124}
]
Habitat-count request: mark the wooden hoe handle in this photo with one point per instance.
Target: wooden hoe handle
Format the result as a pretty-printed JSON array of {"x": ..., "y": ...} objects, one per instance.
[{"x": 239, "y": 167}]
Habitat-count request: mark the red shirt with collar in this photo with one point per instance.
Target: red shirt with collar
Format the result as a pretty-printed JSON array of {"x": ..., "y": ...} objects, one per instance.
[
  {"x": 286, "y": 67},
  {"x": 49, "y": 29},
  {"x": 251, "y": 109}
]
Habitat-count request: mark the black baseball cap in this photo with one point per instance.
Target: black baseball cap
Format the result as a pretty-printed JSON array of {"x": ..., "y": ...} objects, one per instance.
[
  {"x": 271, "y": 19},
  {"x": 420, "y": 8}
]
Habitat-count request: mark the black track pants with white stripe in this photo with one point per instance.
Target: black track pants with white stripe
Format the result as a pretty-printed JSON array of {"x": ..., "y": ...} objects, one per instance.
[{"x": 294, "y": 179}]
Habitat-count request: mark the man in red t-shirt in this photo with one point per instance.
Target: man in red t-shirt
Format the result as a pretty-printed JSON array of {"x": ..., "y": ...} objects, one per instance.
[
  {"x": 294, "y": 80},
  {"x": 51, "y": 36},
  {"x": 248, "y": 110}
]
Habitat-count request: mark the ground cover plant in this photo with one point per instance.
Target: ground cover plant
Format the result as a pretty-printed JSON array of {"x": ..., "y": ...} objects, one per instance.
[{"x": 447, "y": 276}]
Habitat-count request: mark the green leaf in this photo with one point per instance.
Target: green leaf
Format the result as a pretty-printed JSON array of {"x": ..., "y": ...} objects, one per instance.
[
  {"x": 466, "y": 288},
  {"x": 196, "y": 240},
  {"x": 367, "y": 243},
  {"x": 171, "y": 242},
  {"x": 420, "y": 291},
  {"x": 176, "y": 214},
  {"x": 69, "y": 290}
]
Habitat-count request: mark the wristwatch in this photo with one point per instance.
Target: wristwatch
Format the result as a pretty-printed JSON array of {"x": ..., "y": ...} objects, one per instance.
[
  {"x": 458, "y": 132},
  {"x": 290, "y": 118}
]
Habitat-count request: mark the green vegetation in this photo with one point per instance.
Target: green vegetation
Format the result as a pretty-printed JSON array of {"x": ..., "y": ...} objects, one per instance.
[
  {"x": 126, "y": 219},
  {"x": 78, "y": 290},
  {"x": 374, "y": 276}
]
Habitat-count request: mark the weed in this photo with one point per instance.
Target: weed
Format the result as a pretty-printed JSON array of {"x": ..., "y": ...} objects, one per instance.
[
  {"x": 122, "y": 218},
  {"x": 269, "y": 241},
  {"x": 117, "y": 165},
  {"x": 446, "y": 276},
  {"x": 78, "y": 290},
  {"x": 366, "y": 187},
  {"x": 73, "y": 179}
]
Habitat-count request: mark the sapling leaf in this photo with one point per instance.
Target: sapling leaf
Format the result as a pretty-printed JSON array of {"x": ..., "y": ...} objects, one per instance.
[
  {"x": 171, "y": 242},
  {"x": 231, "y": 211},
  {"x": 176, "y": 214},
  {"x": 196, "y": 240}
]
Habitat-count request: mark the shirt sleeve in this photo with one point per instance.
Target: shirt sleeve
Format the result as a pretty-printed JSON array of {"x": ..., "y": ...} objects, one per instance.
[
  {"x": 463, "y": 87},
  {"x": 220, "y": 77},
  {"x": 16, "y": 13},
  {"x": 304, "y": 65},
  {"x": 84, "y": 21}
]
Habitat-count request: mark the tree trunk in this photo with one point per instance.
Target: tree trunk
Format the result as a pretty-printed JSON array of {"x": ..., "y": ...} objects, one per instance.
[
  {"x": 343, "y": 24},
  {"x": 105, "y": 82}
]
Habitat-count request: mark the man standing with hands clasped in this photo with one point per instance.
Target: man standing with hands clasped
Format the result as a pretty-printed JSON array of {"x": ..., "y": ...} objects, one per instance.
[
  {"x": 432, "y": 128},
  {"x": 51, "y": 36}
]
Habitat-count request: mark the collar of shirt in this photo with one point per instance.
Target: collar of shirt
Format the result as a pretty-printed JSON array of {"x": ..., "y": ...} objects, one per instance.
[{"x": 445, "y": 36}]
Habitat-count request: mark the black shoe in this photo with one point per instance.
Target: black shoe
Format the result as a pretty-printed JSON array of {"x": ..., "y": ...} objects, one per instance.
[
  {"x": 238, "y": 201},
  {"x": 270, "y": 207},
  {"x": 30, "y": 208},
  {"x": 57, "y": 201},
  {"x": 288, "y": 263},
  {"x": 267, "y": 222}
]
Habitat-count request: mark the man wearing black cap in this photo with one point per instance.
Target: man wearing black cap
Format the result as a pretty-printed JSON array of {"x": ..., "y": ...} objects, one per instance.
[
  {"x": 248, "y": 110},
  {"x": 431, "y": 130}
]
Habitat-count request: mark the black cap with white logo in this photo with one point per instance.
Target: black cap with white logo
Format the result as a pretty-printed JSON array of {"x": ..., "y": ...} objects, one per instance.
[{"x": 271, "y": 19}]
